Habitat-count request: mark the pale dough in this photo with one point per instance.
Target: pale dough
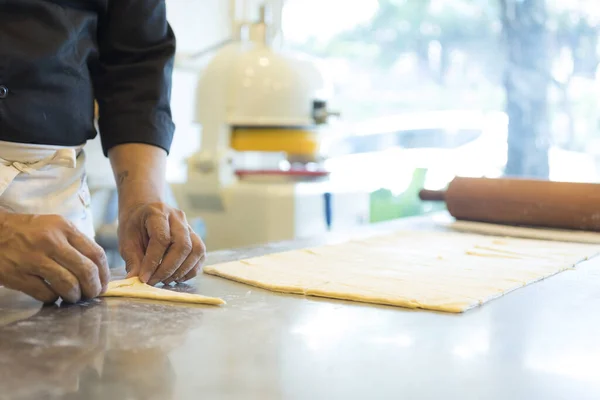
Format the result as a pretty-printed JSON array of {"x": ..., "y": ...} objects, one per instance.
[
  {"x": 560, "y": 235},
  {"x": 134, "y": 288},
  {"x": 448, "y": 271}
]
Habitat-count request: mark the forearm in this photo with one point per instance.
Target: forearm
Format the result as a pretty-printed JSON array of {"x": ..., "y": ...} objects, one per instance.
[{"x": 139, "y": 171}]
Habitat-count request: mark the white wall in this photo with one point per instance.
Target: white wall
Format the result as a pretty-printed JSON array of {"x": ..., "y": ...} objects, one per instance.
[{"x": 197, "y": 25}]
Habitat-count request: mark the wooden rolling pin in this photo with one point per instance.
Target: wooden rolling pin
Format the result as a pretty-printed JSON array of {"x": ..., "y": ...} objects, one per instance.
[{"x": 563, "y": 205}]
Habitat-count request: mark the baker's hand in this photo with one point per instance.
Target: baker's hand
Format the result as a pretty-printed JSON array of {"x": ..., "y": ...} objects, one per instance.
[
  {"x": 47, "y": 257},
  {"x": 158, "y": 245}
]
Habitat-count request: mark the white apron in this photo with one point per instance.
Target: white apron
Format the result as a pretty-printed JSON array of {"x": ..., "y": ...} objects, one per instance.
[{"x": 40, "y": 179}]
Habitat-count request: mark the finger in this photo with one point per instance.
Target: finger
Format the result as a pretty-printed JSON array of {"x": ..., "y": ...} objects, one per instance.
[
  {"x": 196, "y": 255},
  {"x": 193, "y": 273},
  {"x": 34, "y": 287},
  {"x": 93, "y": 252},
  {"x": 133, "y": 255},
  {"x": 83, "y": 268},
  {"x": 60, "y": 279},
  {"x": 181, "y": 247},
  {"x": 188, "y": 273},
  {"x": 159, "y": 233}
]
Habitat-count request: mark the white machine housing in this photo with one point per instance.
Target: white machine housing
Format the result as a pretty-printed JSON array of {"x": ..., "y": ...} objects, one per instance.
[{"x": 249, "y": 84}]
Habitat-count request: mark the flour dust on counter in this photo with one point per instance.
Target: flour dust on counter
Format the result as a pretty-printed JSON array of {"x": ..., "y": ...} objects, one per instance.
[
  {"x": 94, "y": 350},
  {"x": 450, "y": 272}
]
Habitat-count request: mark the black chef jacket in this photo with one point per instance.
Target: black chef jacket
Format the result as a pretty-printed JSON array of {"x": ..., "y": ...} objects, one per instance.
[{"x": 57, "y": 56}]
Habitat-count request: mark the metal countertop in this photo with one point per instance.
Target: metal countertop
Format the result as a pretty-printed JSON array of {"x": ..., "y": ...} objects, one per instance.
[{"x": 539, "y": 342}]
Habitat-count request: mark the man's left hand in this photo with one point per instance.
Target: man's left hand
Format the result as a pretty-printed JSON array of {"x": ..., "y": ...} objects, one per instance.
[{"x": 158, "y": 245}]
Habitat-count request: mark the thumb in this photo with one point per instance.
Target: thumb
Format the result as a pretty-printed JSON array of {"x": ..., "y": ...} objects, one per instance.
[{"x": 132, "y": 254}]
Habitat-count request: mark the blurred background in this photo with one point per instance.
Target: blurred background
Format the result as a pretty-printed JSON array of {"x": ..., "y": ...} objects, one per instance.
[
  {"x": 534, "y": 63},
  {"x": 476, "y": 87}
]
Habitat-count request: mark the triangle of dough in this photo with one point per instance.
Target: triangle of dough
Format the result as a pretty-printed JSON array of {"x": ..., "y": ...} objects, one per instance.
[{"x": 134, "y": 288}]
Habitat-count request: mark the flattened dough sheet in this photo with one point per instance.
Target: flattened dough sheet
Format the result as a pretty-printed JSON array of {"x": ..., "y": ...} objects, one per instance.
[
  {"x": 559, "y": 235},
  {"x": 134, "y": 288},
  {"x": 443, "y": 271}
]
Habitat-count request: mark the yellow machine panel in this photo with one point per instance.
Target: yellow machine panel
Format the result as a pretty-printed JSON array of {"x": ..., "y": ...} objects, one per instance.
[{"x": 303, "y": 142}]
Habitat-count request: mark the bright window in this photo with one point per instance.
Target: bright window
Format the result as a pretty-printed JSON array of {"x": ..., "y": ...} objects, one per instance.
[{"x": 487, "y": 62}]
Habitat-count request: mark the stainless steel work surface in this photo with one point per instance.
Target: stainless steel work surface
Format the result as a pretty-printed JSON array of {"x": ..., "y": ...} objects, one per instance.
[{"x": 540, "y": 342}]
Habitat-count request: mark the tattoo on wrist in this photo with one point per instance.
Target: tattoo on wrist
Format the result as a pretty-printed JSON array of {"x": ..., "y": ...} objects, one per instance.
[{"x": 121, "y": 177}]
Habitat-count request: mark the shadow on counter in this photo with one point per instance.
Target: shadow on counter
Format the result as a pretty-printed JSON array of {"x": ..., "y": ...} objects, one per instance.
[{"x": 95, "y": 350}]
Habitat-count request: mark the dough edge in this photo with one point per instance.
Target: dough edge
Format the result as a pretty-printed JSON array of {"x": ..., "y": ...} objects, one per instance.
[
  {"x": 124, "y": 288},
  {"x": 449, "y": 307}
]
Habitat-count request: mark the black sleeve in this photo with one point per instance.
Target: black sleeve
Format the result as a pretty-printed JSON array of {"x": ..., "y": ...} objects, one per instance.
[{"x": 133, "y": 82}]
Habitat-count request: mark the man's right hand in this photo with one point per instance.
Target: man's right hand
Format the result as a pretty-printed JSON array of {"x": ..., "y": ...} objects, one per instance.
[{"x": 47, "y": 257}]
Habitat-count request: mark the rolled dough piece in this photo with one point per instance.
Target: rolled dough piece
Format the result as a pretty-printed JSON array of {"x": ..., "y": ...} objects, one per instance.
[
  {"x": 134, "y": 288},
  {"x": 447, "y": 271},
  {"x": 560, "y": 235}
]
